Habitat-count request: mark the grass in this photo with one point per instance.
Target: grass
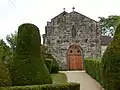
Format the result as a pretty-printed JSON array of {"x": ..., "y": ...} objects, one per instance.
[{"x": 59, "y": 78}]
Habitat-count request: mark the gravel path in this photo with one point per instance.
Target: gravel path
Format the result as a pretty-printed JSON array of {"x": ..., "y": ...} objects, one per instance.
[{"x": 85, "y": 80}]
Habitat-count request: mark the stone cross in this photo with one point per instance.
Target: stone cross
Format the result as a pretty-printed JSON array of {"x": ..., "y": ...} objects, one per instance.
[
  {"x": 73, "y": 8},
  {"x": 64, "y": 9}
]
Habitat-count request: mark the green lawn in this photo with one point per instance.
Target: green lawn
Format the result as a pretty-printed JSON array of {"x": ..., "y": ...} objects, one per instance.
[{"x": 59, "y": 78}]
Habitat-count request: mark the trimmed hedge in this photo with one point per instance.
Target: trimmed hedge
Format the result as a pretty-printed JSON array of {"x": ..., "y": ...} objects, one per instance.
[
  {"x": 111, "y": 63},
  {"x": 64, "y": 86},
  {"x": 51, "y": 63},
  {"x": 94, "y": 68},
  {"x": 48, "y": 63},
  {"x": 27, "y": 65}
]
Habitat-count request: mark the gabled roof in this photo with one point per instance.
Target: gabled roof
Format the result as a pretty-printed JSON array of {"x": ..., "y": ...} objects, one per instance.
[
  {"x": 60, "y": 15},
  {"x": 82, "y": 15},
  {"x": 65, "y": 13}
]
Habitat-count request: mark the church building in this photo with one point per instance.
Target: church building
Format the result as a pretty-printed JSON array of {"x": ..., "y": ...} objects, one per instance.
[{"x": 72, "y": 36}]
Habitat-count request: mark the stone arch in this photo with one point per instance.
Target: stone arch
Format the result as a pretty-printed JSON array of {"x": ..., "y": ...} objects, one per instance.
[{"x": 75, "y": 57}]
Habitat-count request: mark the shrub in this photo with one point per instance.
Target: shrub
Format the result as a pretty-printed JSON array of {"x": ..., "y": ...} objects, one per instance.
[
  {"x": 51, "y": 63},
  {"x": 27, "y": 66},
  {"x": 48, "y": 63},
  {"x": 64, "y": 86},
  {"x": 111, "y": 63},
  {"x": 94, "y": 68},
  {"x": 4, "y": 73}
]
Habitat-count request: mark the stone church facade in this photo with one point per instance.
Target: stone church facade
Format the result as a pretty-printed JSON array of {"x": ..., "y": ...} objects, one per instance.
[{"x": 72, "y": 29}]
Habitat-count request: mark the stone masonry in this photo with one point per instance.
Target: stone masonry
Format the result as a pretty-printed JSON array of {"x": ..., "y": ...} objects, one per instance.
[{"x": 71, "y": 28}]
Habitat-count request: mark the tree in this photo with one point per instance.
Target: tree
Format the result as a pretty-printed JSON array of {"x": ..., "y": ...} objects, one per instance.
[
  {"x": 108, "y": 25},
  {"x": 111, "y": 63},
  {"x": 6, "y": 53},
  {"x": 12, "y": 40},
  {"x": 4, "y": 73},
  {"x": 27, "y": 65}
]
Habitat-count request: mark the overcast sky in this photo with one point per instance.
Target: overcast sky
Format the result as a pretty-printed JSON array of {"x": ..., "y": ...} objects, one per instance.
[{"x": 39, "y": 12}]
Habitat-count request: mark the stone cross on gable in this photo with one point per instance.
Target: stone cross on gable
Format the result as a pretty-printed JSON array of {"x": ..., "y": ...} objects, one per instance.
[
  {"x": 73, "y": 8},
  {"x": 64, "y": 9}
]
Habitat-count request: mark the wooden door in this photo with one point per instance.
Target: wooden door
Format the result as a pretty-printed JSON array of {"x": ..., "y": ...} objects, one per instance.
[{"x": 75, "y": 60}]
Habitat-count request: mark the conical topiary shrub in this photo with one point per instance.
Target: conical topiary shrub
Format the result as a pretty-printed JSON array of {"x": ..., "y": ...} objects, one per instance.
[
  {"x": 4, "y": 73},
  {"x": 111, "y": 63},
  {"x": 27, "y": 65}
]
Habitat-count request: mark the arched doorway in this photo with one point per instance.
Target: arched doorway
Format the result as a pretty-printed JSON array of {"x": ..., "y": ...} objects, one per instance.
[{"x": 75, "y": 58}]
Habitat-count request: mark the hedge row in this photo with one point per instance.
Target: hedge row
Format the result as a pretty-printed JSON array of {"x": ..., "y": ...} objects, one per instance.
[
  {"x": 94, "y": 68},
  {"x": 65, "y": 86}
]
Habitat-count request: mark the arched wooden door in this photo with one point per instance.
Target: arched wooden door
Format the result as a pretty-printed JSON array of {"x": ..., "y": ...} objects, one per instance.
[{"x": 75, "y": 59}]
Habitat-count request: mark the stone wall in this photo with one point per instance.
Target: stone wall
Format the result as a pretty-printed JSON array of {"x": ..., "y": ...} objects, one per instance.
[{"x": 72, "y": 28}]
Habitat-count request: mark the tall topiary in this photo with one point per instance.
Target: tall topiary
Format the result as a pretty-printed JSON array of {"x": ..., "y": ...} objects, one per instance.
[
  {"x": 111, "y": 63},
  {"x": 5, "y": 79},
  {"x": 27, "y": 65}
]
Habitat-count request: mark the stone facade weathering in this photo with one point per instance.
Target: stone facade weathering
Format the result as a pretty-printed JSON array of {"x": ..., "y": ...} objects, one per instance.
[{"x": 72, "y": 28}]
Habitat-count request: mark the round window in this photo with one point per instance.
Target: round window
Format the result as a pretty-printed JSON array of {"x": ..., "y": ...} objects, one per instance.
[
  {"x": 71, "y": 51},
  {"x": 78, "y": 51}
]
